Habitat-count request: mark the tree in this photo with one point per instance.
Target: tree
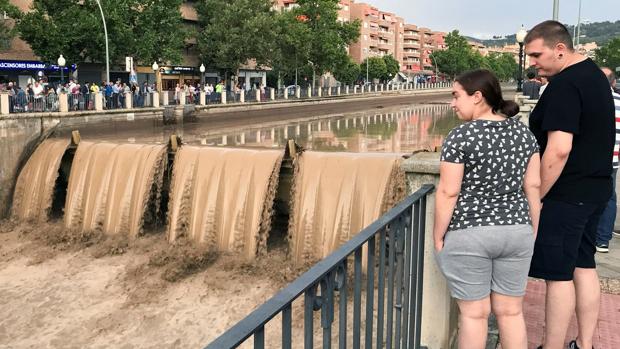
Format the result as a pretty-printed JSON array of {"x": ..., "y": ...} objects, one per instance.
[
  {"x": 74, "y": 29},
  {"x": 7, "y": 30},
  {"x": 392, "y": 67},
  {"x": 348, "y": 72},
  {"x": 609, "y": 55},
  {"x": 376, "y": 68},
  {"x": 235, "y": 32},
  {"x": 292, "y": 51},
  {"x": 458, "y": 57},
  {"x": 328, "y": 38}
]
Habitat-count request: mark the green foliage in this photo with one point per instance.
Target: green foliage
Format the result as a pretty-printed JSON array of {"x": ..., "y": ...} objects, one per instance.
[
  {"x": 234, "y": 32},
  {"x": 609, "y": 55},
  {"x": 348, "y": 72},
  {"x": 392, "y": 67},
  {"x": 292, "y": 51},
  {"x": 502, "y": 64},
  {"x": 376, "y": 68},
  {"x": 599, "y": 32},
  {"x": 148, "y": 30},
  {"x": 327, "y": 38},
  {"x": 7, "y": 30},
  {"x": 460, "y": 57},
  {"x": 457, "y": 58}
]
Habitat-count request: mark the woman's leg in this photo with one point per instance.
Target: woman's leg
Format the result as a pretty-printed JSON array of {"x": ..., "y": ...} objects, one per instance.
[
  {"x": 473, "y": 323},
  {"x": 509, "y": 313}
]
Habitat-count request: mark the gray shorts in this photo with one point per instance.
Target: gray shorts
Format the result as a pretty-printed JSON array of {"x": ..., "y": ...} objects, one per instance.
[{"x": 478, "y": 260}]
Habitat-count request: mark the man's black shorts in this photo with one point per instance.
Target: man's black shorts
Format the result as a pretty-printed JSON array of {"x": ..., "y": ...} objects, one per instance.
[{"x": 566, "y": 239}]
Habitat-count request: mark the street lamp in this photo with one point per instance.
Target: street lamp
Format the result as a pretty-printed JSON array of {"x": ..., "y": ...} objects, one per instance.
[
  {"x": 155, "y": 68},
  {"x": 107, "y": 52},
  {"x": 520, "y": 38},
  {"x": 202, "y": 75},
  {"x": 61, "y": 65},
  {"x": 367, "y": 56}
]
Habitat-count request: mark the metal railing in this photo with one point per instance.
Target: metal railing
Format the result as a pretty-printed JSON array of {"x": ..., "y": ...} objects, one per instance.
[
  {"x": 396, "y": 322},
  {"x": 23, "y": 103}
]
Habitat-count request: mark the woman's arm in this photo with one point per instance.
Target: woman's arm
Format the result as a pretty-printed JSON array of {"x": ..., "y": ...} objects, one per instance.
[
  {"x": 450, "y": 179},
  {"x": 531, "y": 187}
]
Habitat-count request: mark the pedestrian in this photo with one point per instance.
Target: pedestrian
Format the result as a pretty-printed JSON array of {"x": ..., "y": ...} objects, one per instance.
[
  {"x": 575, "y": 129},
  {"x": 531, "y": 87},
  {"x": 608, "y": 219},
  {"x": 486, "y": 211}
]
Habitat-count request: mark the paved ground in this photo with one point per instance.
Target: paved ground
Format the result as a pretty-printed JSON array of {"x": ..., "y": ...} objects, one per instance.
[{"x": 608, "y": 331}]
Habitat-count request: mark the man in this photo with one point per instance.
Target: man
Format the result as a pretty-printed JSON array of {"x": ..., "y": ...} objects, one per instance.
[
  {"x": 575, "y": 131},
  {"x": 608, "y": 219},
  {"x": 531, "y": 87}
]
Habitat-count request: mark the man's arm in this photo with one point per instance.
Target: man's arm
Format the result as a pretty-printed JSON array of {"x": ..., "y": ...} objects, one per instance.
[{"x": 559, "y": 145}]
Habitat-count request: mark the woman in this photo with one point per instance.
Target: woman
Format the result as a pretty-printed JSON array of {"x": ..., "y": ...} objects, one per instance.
[{"x": 487, "y": 209}]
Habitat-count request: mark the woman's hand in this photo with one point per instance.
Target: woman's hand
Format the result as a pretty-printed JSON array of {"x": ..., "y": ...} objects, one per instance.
[{"x": 438, "y": 245}]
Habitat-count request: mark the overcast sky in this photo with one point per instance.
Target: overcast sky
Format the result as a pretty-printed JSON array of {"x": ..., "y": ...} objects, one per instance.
[{"x": 484, "y": 18}]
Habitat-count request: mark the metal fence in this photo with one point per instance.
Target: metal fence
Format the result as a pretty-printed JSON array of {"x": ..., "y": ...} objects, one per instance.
[
  {"x": 395, "y": 323},
  {"x": 23, "y": 103}
]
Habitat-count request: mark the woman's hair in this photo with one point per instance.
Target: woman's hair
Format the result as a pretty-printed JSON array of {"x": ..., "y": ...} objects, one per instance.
[{"x": 485, "y": 81}]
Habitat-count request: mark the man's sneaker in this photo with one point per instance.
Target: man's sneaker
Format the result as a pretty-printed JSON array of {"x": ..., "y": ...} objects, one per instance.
[{"x": 602, "y": 248}]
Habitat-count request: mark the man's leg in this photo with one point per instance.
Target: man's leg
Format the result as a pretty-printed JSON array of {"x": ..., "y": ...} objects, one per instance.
[
  {"x": 607, "y": 221},
  {"x": 588, "y": 294},
  {"x": 559, "y": 308}
]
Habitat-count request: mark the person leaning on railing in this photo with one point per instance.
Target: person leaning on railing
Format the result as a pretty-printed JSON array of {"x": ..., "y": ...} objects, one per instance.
[{"x": 487, "y": 209}]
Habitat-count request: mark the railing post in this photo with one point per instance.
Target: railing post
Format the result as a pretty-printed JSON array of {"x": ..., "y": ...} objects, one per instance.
[
  {"x": 98, "y": 102},
  {"x": 329, "y": 91},
  {"x": 63, "y": 103},
  {"x": 223, "y": 96},
  {"x": 309, "y": 91},
  {"x": 181, "y": 98},
  {"x": 164, "y": 98},
  {"x": 320, "y": 91},
  {"x": 355, "y": 89},
  {"x": 242, "y": 96},
  {"x": 258, "y": 95},
  {"x": 203, "y": 98},
  {"x": 338, "y": 90},
  {"x": 128, "y": 101},
  {"x": 285, "y": 93},
  {"x": 4, "y": 103},
  {"x": 346, "y": 90},
  {"x": 298, "y": 92},
  {"x": 155, "y": 97},
  {"x": 272, "y": 94}
]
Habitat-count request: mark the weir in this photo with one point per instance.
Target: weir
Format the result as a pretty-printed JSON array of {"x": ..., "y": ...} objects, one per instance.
[
  {"x": 34, "y": 190},
  {"x": 111, "y": 186},
  {"x": 223, "y": 197},
  {"x": 336, "y": 195}
]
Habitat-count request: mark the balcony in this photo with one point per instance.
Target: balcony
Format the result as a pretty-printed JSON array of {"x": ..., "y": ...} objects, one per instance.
[{"x": 409, "y": 44}]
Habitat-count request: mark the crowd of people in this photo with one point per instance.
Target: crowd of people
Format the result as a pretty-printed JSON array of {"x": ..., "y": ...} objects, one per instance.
[{"x": 515, "y": 201}]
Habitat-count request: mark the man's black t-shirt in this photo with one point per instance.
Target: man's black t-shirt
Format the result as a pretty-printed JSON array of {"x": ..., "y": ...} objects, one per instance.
[{"x": 578, "y": 100}]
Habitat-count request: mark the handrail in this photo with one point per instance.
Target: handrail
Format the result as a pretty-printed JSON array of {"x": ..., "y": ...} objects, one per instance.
[{"x": 267, "y": 311}]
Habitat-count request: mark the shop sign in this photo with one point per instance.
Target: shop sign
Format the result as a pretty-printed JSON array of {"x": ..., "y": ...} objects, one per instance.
[{"x": 29, "y": 65}]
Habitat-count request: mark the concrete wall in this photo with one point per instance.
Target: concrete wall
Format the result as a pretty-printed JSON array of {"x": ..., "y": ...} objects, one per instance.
[{"x": 439, "y": 311}]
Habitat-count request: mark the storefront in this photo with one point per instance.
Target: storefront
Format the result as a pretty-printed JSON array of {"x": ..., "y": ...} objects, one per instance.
[
  {"x": 24, "y": 72},
  {"x": 172, "y": 75}
]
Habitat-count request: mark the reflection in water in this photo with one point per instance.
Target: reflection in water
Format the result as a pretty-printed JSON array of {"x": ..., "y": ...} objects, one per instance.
[{"x": 401, "y": 129}]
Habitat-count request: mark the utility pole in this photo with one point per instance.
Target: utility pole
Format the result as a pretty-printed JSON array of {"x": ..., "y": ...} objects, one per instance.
[{"x": 556, "y": 9}]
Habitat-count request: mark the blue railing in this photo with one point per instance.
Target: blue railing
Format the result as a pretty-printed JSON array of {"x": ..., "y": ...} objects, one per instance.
[{"x": 399, "y": 237}]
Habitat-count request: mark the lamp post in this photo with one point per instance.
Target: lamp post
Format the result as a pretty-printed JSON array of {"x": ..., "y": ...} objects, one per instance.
[
  {"x": 155, "y": 68},
  {"x": 202, "y": 75},
  {"x": 367, "y": 56},
  {"x": 61, "y": 65},
  {"x": 107, "y": 52},
  {"x": 556, "y": 9},
  {"x": 520, "y": 38}
]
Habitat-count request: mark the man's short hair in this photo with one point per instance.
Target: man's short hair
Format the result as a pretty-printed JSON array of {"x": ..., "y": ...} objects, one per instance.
[
  {"x": 552, "y": 33},
  {"x": 531, "y": 75}
]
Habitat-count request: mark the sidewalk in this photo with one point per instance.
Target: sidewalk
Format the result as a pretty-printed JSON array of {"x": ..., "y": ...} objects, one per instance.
[{"x": 608, "y": 331}]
